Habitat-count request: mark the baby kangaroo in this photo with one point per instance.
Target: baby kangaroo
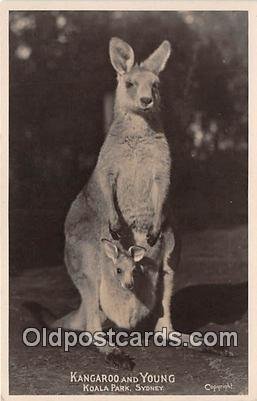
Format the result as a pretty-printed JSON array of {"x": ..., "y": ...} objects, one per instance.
[
  {"x": 122, "y": 279},
  {"x": 130, "y": 282}
]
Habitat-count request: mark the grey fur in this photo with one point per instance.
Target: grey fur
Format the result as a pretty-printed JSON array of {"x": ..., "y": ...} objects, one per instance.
[{"x": 128, "y": 187}]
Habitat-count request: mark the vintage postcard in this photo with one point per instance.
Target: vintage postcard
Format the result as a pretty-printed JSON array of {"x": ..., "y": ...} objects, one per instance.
[{"x": 128, "y": 225}]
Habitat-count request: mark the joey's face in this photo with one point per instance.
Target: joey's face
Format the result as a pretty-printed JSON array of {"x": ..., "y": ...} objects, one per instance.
[
  {"x": 123, "y": 262},
  {"x": 124, "y": 268},
  {"x": 138, "y": 91}
]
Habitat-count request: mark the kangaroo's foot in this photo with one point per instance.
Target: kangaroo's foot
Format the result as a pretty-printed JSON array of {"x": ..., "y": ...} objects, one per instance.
[{"x": 163, "y": 323}]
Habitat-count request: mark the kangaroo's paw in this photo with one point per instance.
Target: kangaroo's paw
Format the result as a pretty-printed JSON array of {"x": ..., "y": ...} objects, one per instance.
[
  {"x": 115, "y": 230},
  {"x": 119, "y": 359},
  {"x": 153, "y": 235}
]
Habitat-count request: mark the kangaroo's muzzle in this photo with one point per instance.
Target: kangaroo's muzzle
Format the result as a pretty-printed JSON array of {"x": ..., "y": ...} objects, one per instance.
[{"x": 128, "y": 285}]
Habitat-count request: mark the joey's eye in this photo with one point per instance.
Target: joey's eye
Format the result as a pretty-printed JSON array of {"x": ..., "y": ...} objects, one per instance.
[
  {"x": 156, "y": 85},
  {"x": 118, "y": 270},
  {"x": 129, "y": 84}
]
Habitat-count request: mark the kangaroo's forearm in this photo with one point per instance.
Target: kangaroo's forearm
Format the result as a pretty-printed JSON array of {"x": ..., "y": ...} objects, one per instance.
[
  {"x": 107, "y": 182},
  {"x": 159, "y": 194}
]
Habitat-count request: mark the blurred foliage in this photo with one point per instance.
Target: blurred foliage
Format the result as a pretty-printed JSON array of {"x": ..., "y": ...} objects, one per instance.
[{"x": 60, "y": 74}]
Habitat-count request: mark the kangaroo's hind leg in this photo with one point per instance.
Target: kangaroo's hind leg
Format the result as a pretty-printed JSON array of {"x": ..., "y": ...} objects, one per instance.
[
  {"x": 83, "y": 266},
  {"x": 170, "y": 260},
  {"x": 168, "y": 273}
]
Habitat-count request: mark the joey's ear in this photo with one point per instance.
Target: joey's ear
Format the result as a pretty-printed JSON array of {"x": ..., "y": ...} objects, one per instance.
[
  {"x": 110, "y": 249},
  {"x": 121, "y": 55},
  {"x": 158, "y": 59},
  {"x": 137, "y": 252}
]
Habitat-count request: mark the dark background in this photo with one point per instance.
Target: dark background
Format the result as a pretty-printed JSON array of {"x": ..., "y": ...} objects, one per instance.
[{"x": 60, "y": 74}]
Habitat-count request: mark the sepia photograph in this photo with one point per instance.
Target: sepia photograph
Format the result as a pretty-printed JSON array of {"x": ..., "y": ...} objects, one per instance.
[{"x": 128, "y": 202}]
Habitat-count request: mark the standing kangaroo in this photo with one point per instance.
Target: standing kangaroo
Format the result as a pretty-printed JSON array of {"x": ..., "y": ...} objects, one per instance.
[
  {"x": 134, "y": 163},
  {"x": 128, "y": 188}
]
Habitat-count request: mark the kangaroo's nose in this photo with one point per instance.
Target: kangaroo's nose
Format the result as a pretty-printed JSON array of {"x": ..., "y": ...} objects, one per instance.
[
  {"x": 129, "y": 286},
  {"x": 146, "y": 101}
]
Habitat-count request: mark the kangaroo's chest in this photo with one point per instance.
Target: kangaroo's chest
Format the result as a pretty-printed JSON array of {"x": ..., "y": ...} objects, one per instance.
[
  {"x": 141, "y": 161},
  {"x": 142, "y": 164},
  {"x": 136, "y": 171},
  {"x": 144, "y": 150}
]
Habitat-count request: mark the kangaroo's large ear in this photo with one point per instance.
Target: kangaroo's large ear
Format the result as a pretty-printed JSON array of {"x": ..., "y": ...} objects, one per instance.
[
  {"x": 158, "y": 59},
  {"x": 110, "y": 249},
  {"x": 121, "y": 55},
  {"x": 137, "y": 252}
]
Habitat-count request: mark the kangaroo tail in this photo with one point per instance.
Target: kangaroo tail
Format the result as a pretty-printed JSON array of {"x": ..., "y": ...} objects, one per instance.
[{"x": 41, "y": 314}]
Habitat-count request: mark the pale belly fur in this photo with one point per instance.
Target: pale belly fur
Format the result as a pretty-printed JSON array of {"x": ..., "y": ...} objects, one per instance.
[{"x": 134, "y": 192}]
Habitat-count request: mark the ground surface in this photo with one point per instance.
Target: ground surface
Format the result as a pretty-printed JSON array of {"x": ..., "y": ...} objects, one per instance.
[{"x": 210, "y": 293}]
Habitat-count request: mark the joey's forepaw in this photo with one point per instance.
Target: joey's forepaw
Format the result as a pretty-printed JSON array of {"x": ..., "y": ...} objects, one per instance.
[
  {"x": 153, "y": 236},
  {"x": 115, "y": 231},
  {"x": 120, "y": 360}
]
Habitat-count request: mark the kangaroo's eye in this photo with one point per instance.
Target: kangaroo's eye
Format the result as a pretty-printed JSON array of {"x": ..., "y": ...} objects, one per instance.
[
  {"x": 156, "y": 85},
  {"x": 129, "y": 84},
  {"x": 118, "y": 270}
]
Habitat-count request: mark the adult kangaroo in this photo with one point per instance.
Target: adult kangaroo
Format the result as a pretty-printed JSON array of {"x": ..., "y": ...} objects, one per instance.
[
  {"x": 127, "y": 191},
  {"x": 133, "y": 168}
]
